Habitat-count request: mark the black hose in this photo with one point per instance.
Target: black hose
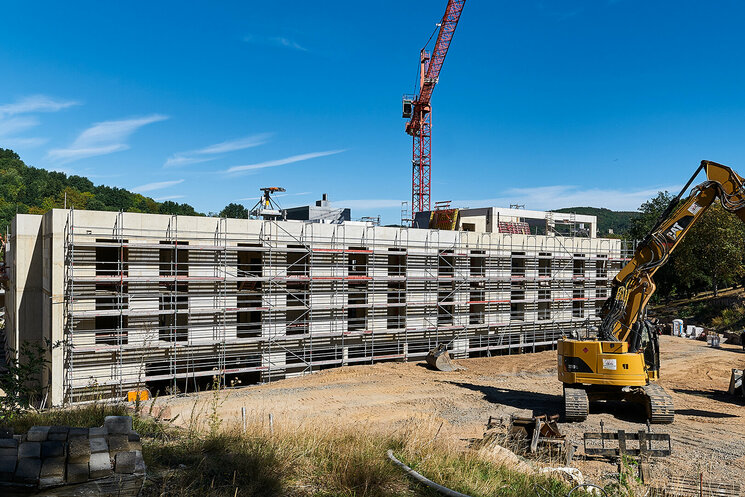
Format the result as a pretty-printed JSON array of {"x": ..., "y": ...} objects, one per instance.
[
  {"x": 421, "y": 479},
  {"x": 452, "y": 493},
  {"x": 583, "y": 485}
]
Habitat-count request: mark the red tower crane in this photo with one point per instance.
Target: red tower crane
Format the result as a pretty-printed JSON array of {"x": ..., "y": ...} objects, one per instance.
[{"x": 418, "y": 109}]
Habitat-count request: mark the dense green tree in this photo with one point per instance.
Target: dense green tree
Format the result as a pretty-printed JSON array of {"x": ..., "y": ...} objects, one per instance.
[
  {"x": 11, "y": 185},
  {"x": 649, "y": 213},
  {"x": 81, "y": 184},
  {"x": 711, "y": 254},
  {"x": 668, "y": 284},
  {"x": 169, "y": 207},
  {"x": 236, "y": 211}
]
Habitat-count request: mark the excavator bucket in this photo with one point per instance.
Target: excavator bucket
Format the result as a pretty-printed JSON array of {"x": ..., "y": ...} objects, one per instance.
[
  {"x": 439, "y": 359},
  {"x": 736, "y": 386}
]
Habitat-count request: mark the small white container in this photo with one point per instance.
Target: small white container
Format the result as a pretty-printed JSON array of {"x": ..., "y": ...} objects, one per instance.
[{"x": 677, "y": 327}]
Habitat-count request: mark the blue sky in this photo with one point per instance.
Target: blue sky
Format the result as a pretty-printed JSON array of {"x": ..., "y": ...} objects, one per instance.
[{"x": 546, "y": 103}]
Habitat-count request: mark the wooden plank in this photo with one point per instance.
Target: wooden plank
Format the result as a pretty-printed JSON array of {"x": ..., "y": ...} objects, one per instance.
[
  {"x": 568, "y": 452},
  {"x": 643, "y": 445},
  {"x": 658, "y": 437},
  {"x": 658, "y": 452},
  {"x": 593, "y": 451},
  {"x": 602, "y": 452},
  {"x": 601, "y": 436},
  {"x": 621, "y": 442},
  {"x": 536, "y": 436},
  {"x": 644, "y": 470}
]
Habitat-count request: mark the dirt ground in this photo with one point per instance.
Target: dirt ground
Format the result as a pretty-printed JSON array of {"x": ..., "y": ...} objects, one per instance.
[{"x": 708, "y": 434}]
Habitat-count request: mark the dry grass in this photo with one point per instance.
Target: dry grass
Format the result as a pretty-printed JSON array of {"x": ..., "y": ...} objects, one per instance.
[
  {"x": 206, "y": 458},
  {"x": 86, "y": 416},
  {"x": 329, "y": 460}
]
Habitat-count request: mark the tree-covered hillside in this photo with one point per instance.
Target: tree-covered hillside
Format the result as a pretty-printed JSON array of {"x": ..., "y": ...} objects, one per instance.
[
  {"x": 30, "y": 190},
  {"x": 618, "y": 221}
]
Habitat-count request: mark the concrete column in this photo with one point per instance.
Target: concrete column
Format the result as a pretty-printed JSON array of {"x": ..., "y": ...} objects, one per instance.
[{"x": 25, "y": 297}]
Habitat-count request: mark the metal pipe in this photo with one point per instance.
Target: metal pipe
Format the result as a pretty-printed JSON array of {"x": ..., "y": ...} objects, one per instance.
[
  {"x": 421, "y": 479},
  {"x": 587, "y": 485}
]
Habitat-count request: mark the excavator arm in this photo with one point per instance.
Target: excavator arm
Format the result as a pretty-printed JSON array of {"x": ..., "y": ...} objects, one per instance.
[{"x": 624, "y": 311}]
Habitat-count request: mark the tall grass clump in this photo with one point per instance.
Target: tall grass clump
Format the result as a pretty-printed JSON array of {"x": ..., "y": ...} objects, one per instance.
[{"x": 83, "y": 416}]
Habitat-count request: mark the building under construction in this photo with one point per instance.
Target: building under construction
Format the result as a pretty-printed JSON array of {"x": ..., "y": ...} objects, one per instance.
[{"x": 171, "y": 302}]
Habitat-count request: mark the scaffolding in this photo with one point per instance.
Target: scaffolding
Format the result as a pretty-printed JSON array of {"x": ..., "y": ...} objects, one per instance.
[{"x": 250, "y": 301}]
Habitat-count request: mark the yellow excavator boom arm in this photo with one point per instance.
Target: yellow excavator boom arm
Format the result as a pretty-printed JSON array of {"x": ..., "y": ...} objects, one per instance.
[{"x": 633, "y": 285}]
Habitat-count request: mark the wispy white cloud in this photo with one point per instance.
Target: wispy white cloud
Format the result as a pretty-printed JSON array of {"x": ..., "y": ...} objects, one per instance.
[
  {"x": 286, "y": 42},
  {"x": 64, "y": 155},
  {"x": 293, "y": 194},
  {"x": 559, "y": 196},
  {"x": 16, "y": 142},
  {"x": 158, "y": 185},
  {"x": 210, "y": 153},
  {"x": 369, "y": 203},
  {"x": 169, "y": 197},
  {"x": 233, "y": 145},
  {"x": 282, "y": 162},
  {"x": 102, "y": 138},
  {"x": 276, "y": 41},
  {"x": 17, "y": 124},
  {"x": 14, "y": 119},
  {"x": 182, "y": 160},
  {"x": 35, "y": 103}
]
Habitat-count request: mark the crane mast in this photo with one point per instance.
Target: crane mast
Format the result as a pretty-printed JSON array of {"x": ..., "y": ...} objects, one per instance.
[{"x": 418, "y": 109}]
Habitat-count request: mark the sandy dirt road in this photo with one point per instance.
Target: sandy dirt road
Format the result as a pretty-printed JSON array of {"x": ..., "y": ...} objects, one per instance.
[{"x": 708, "y": 433}]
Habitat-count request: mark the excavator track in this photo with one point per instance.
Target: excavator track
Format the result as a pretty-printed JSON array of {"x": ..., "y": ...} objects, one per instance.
[
  {"x": 576, "y": 404},
  {"x": 660, "y": 408}
]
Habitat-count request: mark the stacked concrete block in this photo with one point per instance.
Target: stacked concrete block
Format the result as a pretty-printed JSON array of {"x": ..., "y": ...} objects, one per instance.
[
  {"x": 8, "y": 458},
  {"x": 50, "y": 457}
]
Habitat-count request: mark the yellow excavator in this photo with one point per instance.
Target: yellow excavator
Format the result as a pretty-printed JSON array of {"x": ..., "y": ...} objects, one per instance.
[{"x": 623, "y": 361}]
